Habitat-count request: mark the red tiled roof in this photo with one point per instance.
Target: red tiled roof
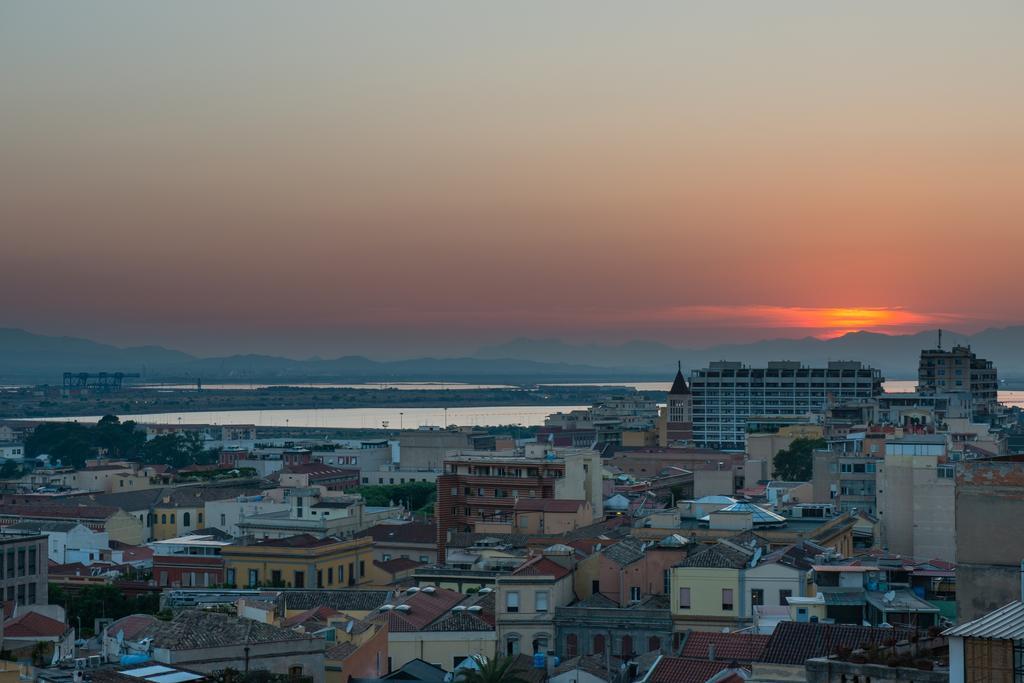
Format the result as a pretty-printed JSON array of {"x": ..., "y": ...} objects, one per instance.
[
  {"x": 316, "y": 614},
  {"x": 297, "y": 541},
  {"x": 741, "y": 647},
  {"x": 678, "y": 670},
  {"x": 397, "y": 564},
  {"x": 795, "y": 642},
  {"x": 412, "y": 532},
  {"x": 34, "y": 625},
  {"x": 57, "y": 511},
  {"x": 548, "y": 505},
  {"x": 424, "y": 609},
  {"x": 541, "y": 566},
  {"x": 132, "y": 625},
  {"x": 320, "y": 471}
]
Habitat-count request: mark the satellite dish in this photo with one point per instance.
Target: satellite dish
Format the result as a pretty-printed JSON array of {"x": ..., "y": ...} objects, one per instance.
[{"x": 890, "y": 596}]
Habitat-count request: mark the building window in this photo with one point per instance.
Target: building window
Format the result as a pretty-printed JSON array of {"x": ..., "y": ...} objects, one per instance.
[
  {"x": 223, "y": 519},
  {"x": 598, "y": 644},
  {"x": 666, "y": 582},
  {"x": 172, "y": 518},
  {"x": 186, "y": 519},
  {"x": 727, "y": 600},
  {"x": 199, "y": 518},
  {"x": 295, "y": 671},
  {"x": 254, "y": 577},
  {"x": 756, "y": 597},
  {"x": 540, "y": 645},
  {"x": 783, "y": 594},
  {"x": 512, "y": 602},
  {"x": 572, "y": 645},
  {"x": 634, "y": 593},
  {"x": 229, "y": 577},
  {"x": 32, "y": 593},
  {"x": 627, "y": 646},
  {"x": 684, "y": 598},
  {"x": 541, "y": 601},
  {"x": 299, "y": 579},
  {"x": 32, "y": 560},
  {"x": 163, "y": 519},
  {"x": 330, "y": 576},
  {"x": 341, "y": 573},
  {"x": 362, "y": 568},
  {"x": 512, "y": 646},
  {"x": 653, "y": 644},
  {"x": 424, "y": 559},
  {"x": 275, "y": 577},
  {"x": 319, "y": 578}
]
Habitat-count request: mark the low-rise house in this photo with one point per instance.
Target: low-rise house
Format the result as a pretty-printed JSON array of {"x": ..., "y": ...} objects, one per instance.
[
  {"x": 988, "y": 648},
  {"x": 627, "y": 570},
  {"x": 68, "y": 541},
  {"x": 208, "y": 642},
  {"x": 180, "y": 511},
  {"x": 397, "y": 570},
  {"x": 226, "y": 513},
  {"x": 302, "y": 561},
  {"x": 409, "y": 540},
  {"x": 706, "y": 587},
  {"x": 189, "y": 561},
  {"x": 318, "y": 474},
  {"x": 312, "y": 511},
  {"x": 527, "y": 599},
  {"x": 118, "y": 524},
  {"x": 25, "y": 632},
  {"x": 599, "y": 626},
  {"x": 439, "y": 626}
]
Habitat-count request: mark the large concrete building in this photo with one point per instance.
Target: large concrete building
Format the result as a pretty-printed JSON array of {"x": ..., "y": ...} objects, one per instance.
[
  {"x": 959, "y": 369},
  {"x": 726, "y": 394},
  {"x": 916, "y": 499},
  {"x": 989, "y": 534},
  {"x": 23, "y": 569},
  {"x": 484, "y": 485}
]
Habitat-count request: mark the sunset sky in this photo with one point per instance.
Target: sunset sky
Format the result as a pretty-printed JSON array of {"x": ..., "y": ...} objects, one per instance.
[{"x": 394, "y": 179}]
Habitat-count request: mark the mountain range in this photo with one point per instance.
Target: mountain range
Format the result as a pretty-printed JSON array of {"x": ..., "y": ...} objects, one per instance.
[{"x": 29, "y": 357}]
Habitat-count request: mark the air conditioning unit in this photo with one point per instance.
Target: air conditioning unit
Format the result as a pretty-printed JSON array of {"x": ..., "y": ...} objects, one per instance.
[{"x": 429, "y": 589}]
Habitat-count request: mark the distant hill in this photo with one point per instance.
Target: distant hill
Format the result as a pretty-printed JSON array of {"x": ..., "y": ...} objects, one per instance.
[
  {"x": 28, "y": 357},
  {"x": 896, "y": 355}
]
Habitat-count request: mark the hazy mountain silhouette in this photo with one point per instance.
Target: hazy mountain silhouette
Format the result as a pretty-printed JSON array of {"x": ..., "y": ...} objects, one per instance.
[{"x": 28, "y": 357}]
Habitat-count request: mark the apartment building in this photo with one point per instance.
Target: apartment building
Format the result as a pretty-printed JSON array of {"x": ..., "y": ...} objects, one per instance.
[
  {"x": 846, "y": 476},
  {"x": 960, "y": 369},
  {"x": 527, "y": 598},
  {"x": 478, "y": 486},
  {"x": 916, "y": 498},
  {"x": 726, "y": 393},
  {"x": 23, "y": 569}
]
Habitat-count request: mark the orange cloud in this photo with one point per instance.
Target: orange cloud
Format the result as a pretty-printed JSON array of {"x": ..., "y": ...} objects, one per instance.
[{"x": 822, "y": 321}]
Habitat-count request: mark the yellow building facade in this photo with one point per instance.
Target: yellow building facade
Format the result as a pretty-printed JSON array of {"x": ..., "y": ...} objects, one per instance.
[{"x": 300, "y": 562}]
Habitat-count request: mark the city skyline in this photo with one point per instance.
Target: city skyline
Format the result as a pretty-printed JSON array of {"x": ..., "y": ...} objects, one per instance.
[{"x": 362, "y": 180}]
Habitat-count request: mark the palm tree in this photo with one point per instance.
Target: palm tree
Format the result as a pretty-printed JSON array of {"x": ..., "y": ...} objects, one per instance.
[{"x": 494, "y": 670}]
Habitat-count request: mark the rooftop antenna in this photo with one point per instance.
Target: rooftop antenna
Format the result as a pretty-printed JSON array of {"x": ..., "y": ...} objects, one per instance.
[{"x": 940, "y": 339}]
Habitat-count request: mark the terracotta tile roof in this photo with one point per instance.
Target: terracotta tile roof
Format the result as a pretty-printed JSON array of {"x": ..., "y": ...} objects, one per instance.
[
  {"x": 398, "y": 564},
  {"x": 412, "y": 532},
  {"x": 132, "y": 625},
  {"x": 625, "y": 552},
  {"x": 57, "y": 511},
  {"x": 345, "y": 599},
  {"x": 541, "y": 566},
  {"x": 678, "y": 670},
  {"x": 548, "y": 505},
  {"x": 424, "y": 609},
  {"x": 196, "y": 630},
  {"x": 34, "y": 625},
  {"x": 340, "y": 651},
  {"x": 719, "y": 556},
  {"x": 296, "y": 541},
  {"x": 321, "y": 614},
  {"x": 741, "y": 647},
  {"x": 795, "y": 642}
]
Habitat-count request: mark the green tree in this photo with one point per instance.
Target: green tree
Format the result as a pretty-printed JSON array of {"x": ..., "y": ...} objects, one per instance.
[
  {"x": 796, "y": 463},
  {"x": 106, "y": 600},
  {"x": 417, "y": 495},
  {"x": 493, "y": 670}
]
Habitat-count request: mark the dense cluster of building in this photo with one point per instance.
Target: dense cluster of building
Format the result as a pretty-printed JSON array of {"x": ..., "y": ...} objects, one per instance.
[{"x": 632, "y": 541}]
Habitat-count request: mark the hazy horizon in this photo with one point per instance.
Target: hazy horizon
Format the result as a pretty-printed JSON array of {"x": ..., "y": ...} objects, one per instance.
[{"x": 426, "y": 179}]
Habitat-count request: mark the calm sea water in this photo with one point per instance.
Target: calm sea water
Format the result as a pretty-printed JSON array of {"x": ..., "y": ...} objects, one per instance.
[
  {"x": 395, "y": 418},
  {"x": 400, "y": 386},
  {"x": 354, "y": 418}
]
